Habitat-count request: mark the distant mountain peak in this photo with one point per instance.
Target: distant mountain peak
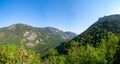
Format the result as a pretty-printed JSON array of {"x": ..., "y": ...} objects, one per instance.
[
  {"x": 70, "y": 34},
  {"x": 53, "y": 29}
]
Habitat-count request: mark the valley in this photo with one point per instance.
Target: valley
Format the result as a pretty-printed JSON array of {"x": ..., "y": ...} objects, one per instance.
[{"x": 99, "y": 44}]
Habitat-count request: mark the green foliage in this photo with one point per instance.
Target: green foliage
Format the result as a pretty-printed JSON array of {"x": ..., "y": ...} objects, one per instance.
[
  {"x": 86, "y": 55},
  {"x": 10, "y": 54},
  {"x": 105, "y": 52},
  {"x": 52, "y": 51},
  {"x": 117, "y": 56},
  {"x": 7, "y": 53},
  {"x": 56, "y": 59}
]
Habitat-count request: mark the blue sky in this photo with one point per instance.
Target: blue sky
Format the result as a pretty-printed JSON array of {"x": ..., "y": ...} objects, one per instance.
[{"x": 66, "y": 15}]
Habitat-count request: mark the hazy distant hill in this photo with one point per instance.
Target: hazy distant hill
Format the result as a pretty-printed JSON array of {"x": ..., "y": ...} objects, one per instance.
[
  {"x": 70, "y": 34},
  {"x": 33, "y": 37}
]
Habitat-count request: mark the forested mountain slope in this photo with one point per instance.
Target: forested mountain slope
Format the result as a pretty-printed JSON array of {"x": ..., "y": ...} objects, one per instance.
[
  {"x": 33, "y": 37},
  {"x": 99, "y": 44},
  {"x": 99, "y": 29}
]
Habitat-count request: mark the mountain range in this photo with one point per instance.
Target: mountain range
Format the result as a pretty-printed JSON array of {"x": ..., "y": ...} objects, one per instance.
[
  {"x": 34, "y": 37},
  {"x": 99, "y": 44}
]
